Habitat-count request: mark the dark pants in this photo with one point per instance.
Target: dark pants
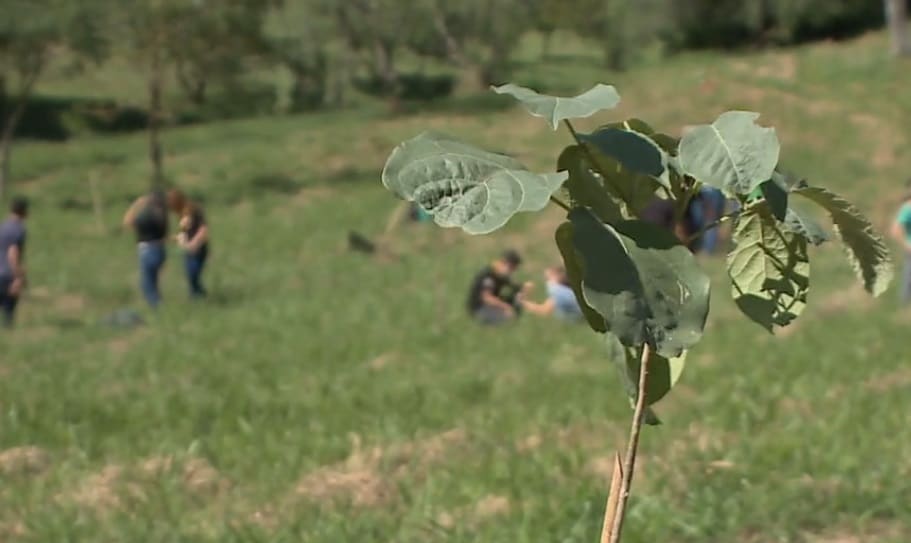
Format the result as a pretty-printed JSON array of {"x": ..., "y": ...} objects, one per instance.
[
  {"x": 194, "y": 264},
  {"x": 905, "y": 286},
  {"x": 151, "y": 259},
  {"x": 7, "y": 302}
]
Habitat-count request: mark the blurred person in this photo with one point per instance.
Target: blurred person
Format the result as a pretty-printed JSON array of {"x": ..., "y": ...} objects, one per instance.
[
  {"x": 12, "y": 259},
  {"x": 193, "y": 238},
  {"x": 561, "y": 300},
  {"x": 901, "y": 231},
  {"x": 660, "y": 212},
  {"x": 148, "y": 218},
  {"x": 706, "y": 207},
  {"x": 493, "y": 297}
]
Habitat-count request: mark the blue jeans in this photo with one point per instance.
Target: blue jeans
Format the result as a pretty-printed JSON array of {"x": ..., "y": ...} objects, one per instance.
[
  {"x": 194, "y": 264},
  {"x": 7, "y": 303},
  {"x": 906, "y": 280},
  {"x": 151, "y": 260},
  {"x": 715, "y": 201}
]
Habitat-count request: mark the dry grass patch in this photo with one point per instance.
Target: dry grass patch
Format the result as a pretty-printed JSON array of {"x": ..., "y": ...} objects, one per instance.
[
  {"x": 26, "y": 460},
  {"x": 369, "y": 477}
]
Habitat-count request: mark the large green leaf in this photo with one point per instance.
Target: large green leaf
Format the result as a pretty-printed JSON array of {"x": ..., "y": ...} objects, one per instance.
[
  {"x": 636, "y": 152},
  {"x": 586, "y": 189},
  {"x": 464, "y": 186},
  {"x": 645, "y": 284},
  {"x": 866, "y": 249},
  {"x": 776, "y": 197},
  {"x": 802, "y": 224},
  {"x": 769, "y": 269},
  {"x": 662, "y": 376},
  {"x": 733, "y": 153},
  {"x": 574, "y": 271},
  {"x": 635, "y": 191},
  {"x": 556, "y": 108}
]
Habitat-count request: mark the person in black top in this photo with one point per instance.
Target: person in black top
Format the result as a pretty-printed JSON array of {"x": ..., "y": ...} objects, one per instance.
[
  {"x": 193, "y": 239},
  {"x": 148, "y": 217},
  {"x": 494, "y": 297}
]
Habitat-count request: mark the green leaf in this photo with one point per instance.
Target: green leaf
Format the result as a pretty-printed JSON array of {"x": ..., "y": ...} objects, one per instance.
[
  {"x": 866, "y": 250},
  {"x": 635, "y": 191},
  {"x": 556, "y": 109},
  {"x": 464, "y": 186},
  {"x": 733, "y": 153},
  {"x": 777, "y": 199},
  {"x": 636, "y": 152},
  {"x": 645, "y": 284},
  {"x": 574, "y": 271},
  {"x": 663, "y": 375},
  {"x": 585, "y": 188},
  {"x": 769, "y": 269},
  {"x": 800, "y": 223}
]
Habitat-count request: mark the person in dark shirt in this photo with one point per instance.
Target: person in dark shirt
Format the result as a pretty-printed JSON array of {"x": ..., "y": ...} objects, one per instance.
[
  {"x": 660, "y": 212},
  {"x": 193, "y": 239},
  {"x": 148, "y": 218},
  {"x": 12, "y": 259},
  {"x": 493, "y": 297}
]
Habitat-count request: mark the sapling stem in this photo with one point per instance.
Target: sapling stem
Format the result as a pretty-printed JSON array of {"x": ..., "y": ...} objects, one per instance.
[
  {"x": 714, "y": 224},
  {"x": 632, "y": 448},
  {"x": 560, "y": 203}
]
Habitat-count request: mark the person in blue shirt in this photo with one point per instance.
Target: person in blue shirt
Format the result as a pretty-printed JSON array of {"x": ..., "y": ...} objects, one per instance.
[
  {"x": 561, "y": 300},
  {"x": 901, "y": 231}
]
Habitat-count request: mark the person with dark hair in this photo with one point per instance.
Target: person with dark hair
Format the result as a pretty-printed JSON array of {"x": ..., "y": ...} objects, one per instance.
[
  {"x": 12, "y": 259},
  {"x": 148, "y": 218},
  {"x": 561, "y": 300},
  {"x": 193, "y": 238},
  {"x": 493, "y": 297},
  {"x": 901, "y": 232}
]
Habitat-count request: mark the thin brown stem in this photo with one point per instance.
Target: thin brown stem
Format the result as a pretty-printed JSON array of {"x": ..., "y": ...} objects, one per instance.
[
  {"x": 714, "y": 224},
  {"x": 632, "y": 448},
  {"x": 560, "y": 203}
]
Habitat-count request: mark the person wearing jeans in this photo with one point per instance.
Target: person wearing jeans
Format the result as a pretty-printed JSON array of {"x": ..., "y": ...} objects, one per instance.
[
  {"x": 193, "y": 239},
  {"x": 148, "y": 217},
  {"x": 12, "y": 257},
  {"x": 152, "y": 257}
]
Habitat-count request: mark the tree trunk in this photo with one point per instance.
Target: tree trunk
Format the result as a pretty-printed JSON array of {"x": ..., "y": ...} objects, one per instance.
[
  {"x": 547, "y": 38},
  {"x": 12, "y": 121},
  {"x": 384, "y": 67},
  {"x": 897, "y": 18},
  {"x": 155, "y": 89}
]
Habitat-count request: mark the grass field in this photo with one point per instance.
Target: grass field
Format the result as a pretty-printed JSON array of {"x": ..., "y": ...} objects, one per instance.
[{"x": 322, "y": 396}]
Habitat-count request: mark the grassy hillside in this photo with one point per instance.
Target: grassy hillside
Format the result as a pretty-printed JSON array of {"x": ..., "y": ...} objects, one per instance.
[{"x": 321, "y": 396}]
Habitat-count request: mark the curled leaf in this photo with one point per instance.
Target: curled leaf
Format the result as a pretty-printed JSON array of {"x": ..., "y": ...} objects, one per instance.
[
  {"x": 464, "y": 186},
  {"x": 866, "y": 249},
  {"x": 555, "y": 108}
]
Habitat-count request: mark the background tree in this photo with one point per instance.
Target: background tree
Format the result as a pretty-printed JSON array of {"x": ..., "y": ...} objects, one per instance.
[
  {"x": 29, "y": 31},
  {"x": 198, "y": 39},
  {"x": 480, "y": 36},
  {"x": 897, "y": 18}
]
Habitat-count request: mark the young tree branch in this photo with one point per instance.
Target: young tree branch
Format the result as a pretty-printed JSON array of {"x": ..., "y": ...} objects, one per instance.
[
  {"x": 560, "y": 203},
  {"x": 632, "y": 448},
  {"x": 714, "y": 224}
]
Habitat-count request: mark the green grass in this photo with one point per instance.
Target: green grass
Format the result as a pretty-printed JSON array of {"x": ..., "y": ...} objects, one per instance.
[{"x": 321, "y": 396}]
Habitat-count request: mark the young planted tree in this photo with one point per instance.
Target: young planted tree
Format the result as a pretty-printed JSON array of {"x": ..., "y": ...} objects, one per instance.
[{"x": 640, "y": 288}]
